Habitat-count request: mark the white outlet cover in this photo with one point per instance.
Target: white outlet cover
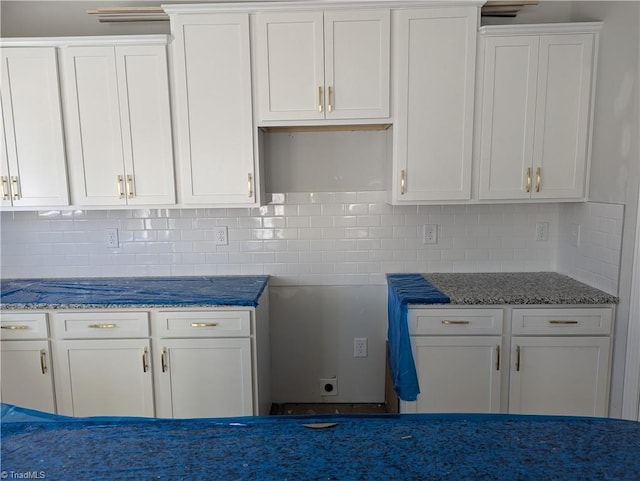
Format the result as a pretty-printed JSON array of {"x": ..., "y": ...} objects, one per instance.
[{"x": 430, "y": 234}]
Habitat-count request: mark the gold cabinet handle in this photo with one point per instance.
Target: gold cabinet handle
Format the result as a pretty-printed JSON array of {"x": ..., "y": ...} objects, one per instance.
[
  {"x": 563, "y": 322},
  {"x": 250, "y": 184},
  {"x": 145, "y": 364},
  {"x": 15, "y": 191},
  {"x": 102, "y": 326},
  {"x": 43, "y": 361},
  {"x": 403, "y": 182},
  {"x": 204, "y": 324},
  {"x": 497, "y": 358},
  {"x": 528, "y": 179},
  {"x": 538, "y": 178},
  {"x": 130, "y": 193},
  {"x": 330, "y": 106},
  {"x": 15, "y": 327},
  {"x": 163, "y": 359},
  {"x": 320, "y": 99},
  {"x": 450, "y": 321},
  {"x": 517, "y": 358},
  {"x": 120, "y": 180},
  {"x": 5, "y": 188}
]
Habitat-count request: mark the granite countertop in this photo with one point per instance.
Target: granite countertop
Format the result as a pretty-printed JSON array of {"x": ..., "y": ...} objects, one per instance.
[
  {"x": 131, "y": 292},
  {"x": 516, "y": 288}
]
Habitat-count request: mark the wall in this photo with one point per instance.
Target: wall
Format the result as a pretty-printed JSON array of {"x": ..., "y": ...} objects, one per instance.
[
  {"x": 328, "y": 240},
  {"x": 615, "y": 164}
]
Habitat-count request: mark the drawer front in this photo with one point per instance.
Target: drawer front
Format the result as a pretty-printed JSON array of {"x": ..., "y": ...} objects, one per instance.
[
  {"x": 23, "y": 325},
  {"x": 100, "y": 325},
  {"x": 559, "y": 321},
  {"x": 213, "y": 323},
  {"x": 427, "y": 321}
]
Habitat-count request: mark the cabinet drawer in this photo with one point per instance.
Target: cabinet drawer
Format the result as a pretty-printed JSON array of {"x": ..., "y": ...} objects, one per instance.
[
  {"x": 426, "y": 321},
  {"x": 558, "y": 321},
  {"x": 223, "y": 323},
  {"x": 100, "y": 325},
  {"x": 23, "y": 325}
]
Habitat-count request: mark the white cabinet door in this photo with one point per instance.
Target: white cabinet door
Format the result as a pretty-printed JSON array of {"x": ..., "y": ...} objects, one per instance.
[
  {"x": 26, "y": 375},
  {"x": 559, "y": 375},
  {"x": 105, "y": 377},
  {"x": 290, "y": 60},
  {"x": 434, "y": 72},
  {"x": 457, "y": 373},
  {"x": 562, "y": 116},
  {"x": 508, "y": 117},
  {"x": 34, "y": 169},
  {"x": 214, "y": 122},
  {"x": 535, "y": 116},
  {"x": 118, "y": 125},
  {"x": 316, "y": 66},
  {"x": 204, "y": 378}
]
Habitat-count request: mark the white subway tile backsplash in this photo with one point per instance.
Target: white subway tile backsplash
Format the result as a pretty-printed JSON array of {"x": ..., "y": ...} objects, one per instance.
[{"x": 331, "y": 238}]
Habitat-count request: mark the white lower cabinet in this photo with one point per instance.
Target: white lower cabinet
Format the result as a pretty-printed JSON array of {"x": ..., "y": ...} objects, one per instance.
[
  {"x": 457, "y": 356},
  {"x": 25, "y": 352},
  {"x": 559, "y": 362},
  {"x": 102, "y": 364},
  {"x": 206, "y": 363}
]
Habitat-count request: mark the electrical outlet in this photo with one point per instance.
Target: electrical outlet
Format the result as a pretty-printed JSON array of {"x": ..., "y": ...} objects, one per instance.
[
  {"x": 542, "y": 231},
  {"x": 221, "y": 238},
  {"x": 329, "y": 387},
  {"x": 360, "y": 347},
  {"x": 111, "y": 238},
  {"x": 430, "y": 234}
]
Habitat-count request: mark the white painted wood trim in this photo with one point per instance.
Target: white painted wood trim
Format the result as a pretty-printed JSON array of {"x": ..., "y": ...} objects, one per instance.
[
  {"x": 269, "y": 6},
  {"x": 631, "y": 390},
  {"x": 541, "y": 29},
  {"x": 113, "y": 40}
]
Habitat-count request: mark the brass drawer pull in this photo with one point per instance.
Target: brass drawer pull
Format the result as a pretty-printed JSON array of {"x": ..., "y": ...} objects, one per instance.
[
  {"x": 449, "y": 321},
  {"x": 15, "y": 190},
  {"x": 5, "y": 184},
  {"x": 163, "y": 359},
  {"x": 250, "y": 184},
  {"x": 120, "y": 181},
  {"x": 563, "y": 322},
  {"x": 320, "y": 99},
  {"x": 102, "y": 326},
  {"x": 403, "y": 182},
  {"x": 538, "y": 178},
  {"x": 145, "y": 364},
  {"x": 43, "y": 361},
  {"x": 528, "y": 179},
  {"x": 130, "y": 193},
  {"x": 204, "y": 324},
  {"x": 15, "y": 328},
  {"x": 330, "y": 106}
]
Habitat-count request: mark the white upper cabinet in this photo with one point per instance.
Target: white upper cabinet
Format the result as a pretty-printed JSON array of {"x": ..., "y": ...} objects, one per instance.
[
  {"x": 32, "y": 169},
  {"x": 318, "y": 65},
  {"x": 536, "y": 91},
  {"x": 213, "y": 109},
  {"x": 433, "y": 75},
  {"x": 118, "y": 124}
]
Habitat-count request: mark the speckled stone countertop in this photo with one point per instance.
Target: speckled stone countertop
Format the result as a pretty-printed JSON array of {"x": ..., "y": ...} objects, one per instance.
[
  {"x": 517, "y": 288},
  {"x": 131, "y": 292}
]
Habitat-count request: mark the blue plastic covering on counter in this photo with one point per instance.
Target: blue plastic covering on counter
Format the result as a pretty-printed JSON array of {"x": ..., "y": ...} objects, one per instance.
[
  {"x": 132, "y": 291},
  {"x": 406, "y": 289},
  {"x": 443, "y": 447}
]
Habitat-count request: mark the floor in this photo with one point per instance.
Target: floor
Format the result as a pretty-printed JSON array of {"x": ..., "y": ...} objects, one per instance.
[{"x": 328, "y": 408}]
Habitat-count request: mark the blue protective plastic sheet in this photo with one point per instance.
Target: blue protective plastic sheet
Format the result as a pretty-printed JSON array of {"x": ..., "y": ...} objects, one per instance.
[
  {"x": 359, "y": 447},
  {"x": 133, "y": 291},
  {"x": 406, "y": 289}
]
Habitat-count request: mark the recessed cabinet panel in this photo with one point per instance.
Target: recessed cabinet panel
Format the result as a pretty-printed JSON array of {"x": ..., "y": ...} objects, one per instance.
[
  {"x": 104, "y": 377},
  {"x": 33, "y": 169},
  {"x": 562, "y": 114},
  {"x": 457, "y": 374},
  {"x": 434, "y": 87},
  {"x": 564, "y": 376},
  {"x": 27, "y": 379},
  {"x": 207, "y": 377},
  {"x": 508, "y": 116},
  {"x": 214, "y": 110}
]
